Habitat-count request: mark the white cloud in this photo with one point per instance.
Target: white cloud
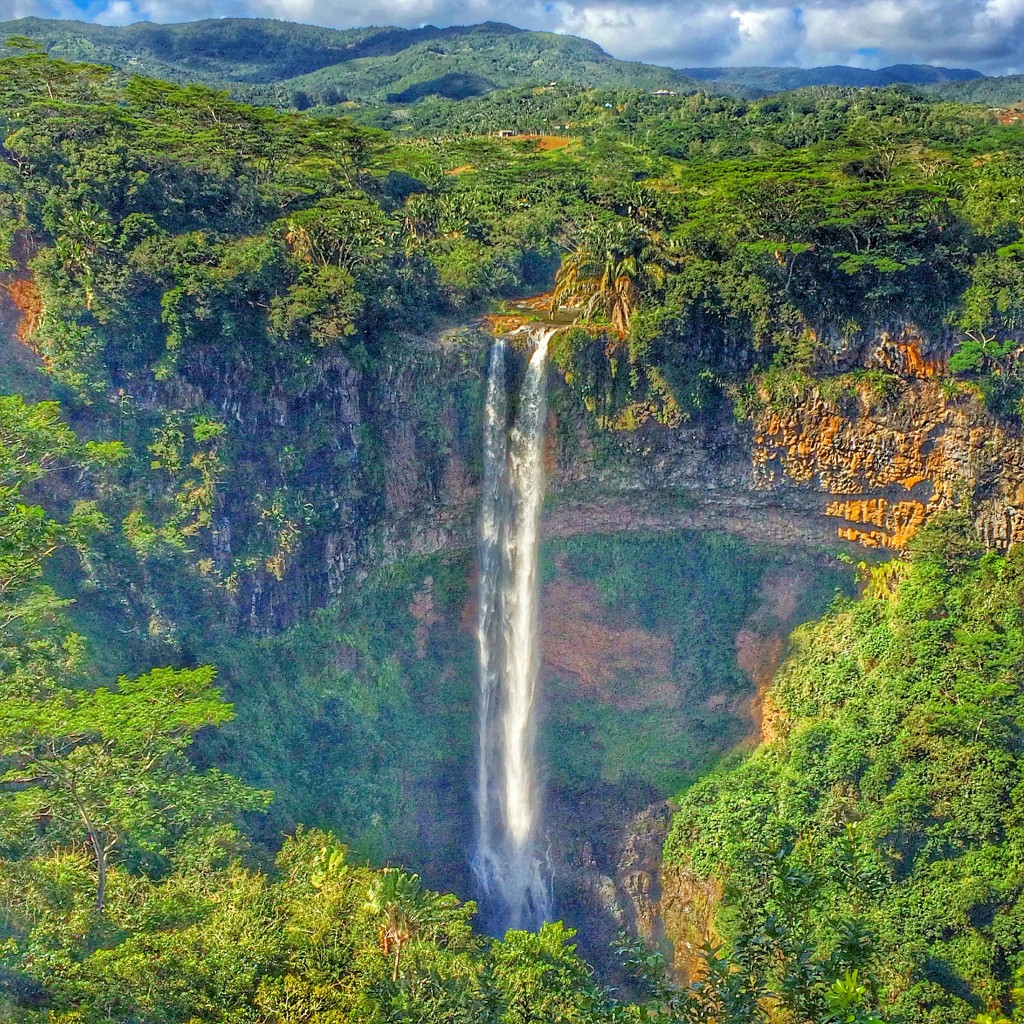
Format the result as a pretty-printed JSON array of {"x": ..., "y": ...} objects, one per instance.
[
  {"x": 985, "y": 34},
  {"x": 39, "y": 8},
  {"x": 658, "y": 32},
  {"x": 772, "y": 35}
]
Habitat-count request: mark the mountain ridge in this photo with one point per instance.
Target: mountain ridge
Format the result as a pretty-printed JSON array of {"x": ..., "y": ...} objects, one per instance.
[
  {"x": 256, "y": 52},
  {"x": 397, "y": 65},
  {"x": 770, "y": 79}
]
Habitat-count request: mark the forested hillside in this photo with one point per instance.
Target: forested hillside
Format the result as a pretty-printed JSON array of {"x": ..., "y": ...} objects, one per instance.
[
  {"x": 889, "y": 791},
  {"x": 298, "y": 66},
  {"x": 239, "y": 458},
  {"x": 1002, "y": 92},
  {"x": 285, "y": 64}
]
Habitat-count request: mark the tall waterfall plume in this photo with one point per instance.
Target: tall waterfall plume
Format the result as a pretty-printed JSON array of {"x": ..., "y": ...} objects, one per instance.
[{"x": 515, "y": 890}]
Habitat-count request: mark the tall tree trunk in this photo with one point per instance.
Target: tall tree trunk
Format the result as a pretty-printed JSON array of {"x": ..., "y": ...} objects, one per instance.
[
  {"x": 398, "y": 955},
  {"x": 100, "y": 849}
]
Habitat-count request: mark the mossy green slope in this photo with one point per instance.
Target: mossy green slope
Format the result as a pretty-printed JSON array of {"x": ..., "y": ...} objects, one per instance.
[{"x": 898, "y": 726}]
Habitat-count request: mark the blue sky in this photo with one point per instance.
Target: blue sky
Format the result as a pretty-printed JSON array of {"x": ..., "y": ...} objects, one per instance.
[{"x": 983, "y": 34}]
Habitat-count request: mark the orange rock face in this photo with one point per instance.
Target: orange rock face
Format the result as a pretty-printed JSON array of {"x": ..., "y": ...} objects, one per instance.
[
  {"x": 903, "y": 354},
  {"x": 887, "y": 466},
  {"x": 896, "y": 522},
  {"x": 26, "y": 299}
]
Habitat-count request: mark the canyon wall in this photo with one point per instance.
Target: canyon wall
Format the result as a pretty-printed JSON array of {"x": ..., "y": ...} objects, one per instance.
[
  {"x": 884, "y": 459},
  {"x": 866, "y": 456},
  {"x": 390, "y": 463}
]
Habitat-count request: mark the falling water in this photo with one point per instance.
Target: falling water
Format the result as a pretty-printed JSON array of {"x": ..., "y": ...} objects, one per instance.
[
  {"x": 507, "y": 863},
  {"x": 492, "y": 515}
]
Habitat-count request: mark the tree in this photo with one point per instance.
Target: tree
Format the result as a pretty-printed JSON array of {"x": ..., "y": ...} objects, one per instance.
[
  {"x": 539, "y": 979},
  {"x": 405, "y": 911},
  {"x": 111, "y": 765},
  {"x": 86, "y": 231},
  {"x": 36, "y": 446},
  {"x": 608, "y": 272}
]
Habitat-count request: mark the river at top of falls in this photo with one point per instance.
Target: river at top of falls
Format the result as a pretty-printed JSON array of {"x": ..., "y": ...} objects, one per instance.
[{"x": 515, "y": 889}]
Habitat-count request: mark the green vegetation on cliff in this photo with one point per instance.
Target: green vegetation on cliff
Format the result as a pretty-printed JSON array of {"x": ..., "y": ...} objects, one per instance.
[
  {"x": 128, "y": 891},
  {"x": 895, "y": 726}
]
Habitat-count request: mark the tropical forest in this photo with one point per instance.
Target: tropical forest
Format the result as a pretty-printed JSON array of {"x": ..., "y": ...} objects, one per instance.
[{"x": 494, "y": 533}]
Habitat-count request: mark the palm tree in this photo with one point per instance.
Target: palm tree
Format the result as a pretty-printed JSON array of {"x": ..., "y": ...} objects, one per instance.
[
  {"x": 608, "y": 272},
  {"x": 405, "y": 911},
  {"x": 87, "y": 230}
]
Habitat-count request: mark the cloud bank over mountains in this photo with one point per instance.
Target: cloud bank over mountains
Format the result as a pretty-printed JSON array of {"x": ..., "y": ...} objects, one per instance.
[{"x": 983, "y": 34}]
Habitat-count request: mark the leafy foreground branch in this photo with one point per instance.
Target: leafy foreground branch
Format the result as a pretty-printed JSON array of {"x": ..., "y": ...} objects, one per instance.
[{"x": 112, "y": 763}]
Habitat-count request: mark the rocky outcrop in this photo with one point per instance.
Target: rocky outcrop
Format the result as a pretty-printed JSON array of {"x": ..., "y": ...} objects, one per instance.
[
  {"x": 885, "y": 465},
  {"x": 689, "y": 906},
  {"x": 865, "y": 458},
  {"x": 671, "y": 908}
]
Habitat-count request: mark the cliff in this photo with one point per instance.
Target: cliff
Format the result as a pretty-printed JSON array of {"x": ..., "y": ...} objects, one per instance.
[
  {"x": 866, "y": 454},
  {"x": 884, "y": 463},
  {"x": 382, "y": 458}
]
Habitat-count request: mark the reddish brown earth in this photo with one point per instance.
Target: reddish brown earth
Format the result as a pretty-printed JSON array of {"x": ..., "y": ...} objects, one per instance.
[
  {"x": 762, "y": 643},
  {"x": 602, "y": 657},
  {"x": 26, "y": 298},
  {"x": 422, "y": 609},
  {"x": 548, "y": 143}
]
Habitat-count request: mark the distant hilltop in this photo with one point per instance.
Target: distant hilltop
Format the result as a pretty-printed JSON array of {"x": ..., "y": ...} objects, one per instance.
[
  {"x": 271, "y": 61},
  {"x": 382, "y": 64},
  {"x": 769, "y": 80}
]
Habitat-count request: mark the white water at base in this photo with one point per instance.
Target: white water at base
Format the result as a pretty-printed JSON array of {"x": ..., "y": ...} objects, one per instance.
[{"x": 515, "y": 892}]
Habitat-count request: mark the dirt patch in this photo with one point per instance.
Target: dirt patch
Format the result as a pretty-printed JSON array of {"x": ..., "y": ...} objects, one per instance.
[
  {"x": 614, "y": 662},
  {"x": 25, "y": 298},
  {"x": 761, "y": 642},
  {"x": 548, "y": 143}
]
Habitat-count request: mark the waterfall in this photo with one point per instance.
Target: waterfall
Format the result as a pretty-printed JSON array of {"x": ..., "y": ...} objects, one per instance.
[
  {"x": 492, "y": 516},
  {"x": 515, "y": 892}
]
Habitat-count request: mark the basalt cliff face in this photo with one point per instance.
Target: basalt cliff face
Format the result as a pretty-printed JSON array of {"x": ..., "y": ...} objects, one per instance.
[
  {"x": 868, "y": 462},
  {"x": 390, "y": 460},
  {"x": 884, "y": 463}
]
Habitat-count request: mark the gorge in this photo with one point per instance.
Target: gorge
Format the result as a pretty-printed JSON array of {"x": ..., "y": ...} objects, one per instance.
[{"x": 290, "y": 449}]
